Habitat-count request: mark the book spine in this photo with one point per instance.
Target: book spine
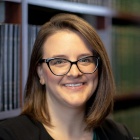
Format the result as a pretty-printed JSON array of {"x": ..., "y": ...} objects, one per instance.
[
  {"x": 15, "y": 72},
  {"x": 5, "y": 64},
  {"x": 1, "y": 67},
  {"x": 18, "y": 96},
  {"x": 10, "y": 65}
]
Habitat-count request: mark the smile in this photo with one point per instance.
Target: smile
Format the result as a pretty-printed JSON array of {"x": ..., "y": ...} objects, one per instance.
[{"x": 74, "y": 85}]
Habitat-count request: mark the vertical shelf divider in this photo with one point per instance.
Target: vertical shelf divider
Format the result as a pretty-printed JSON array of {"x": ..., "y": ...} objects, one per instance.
[{"x": 24, "y": 45}]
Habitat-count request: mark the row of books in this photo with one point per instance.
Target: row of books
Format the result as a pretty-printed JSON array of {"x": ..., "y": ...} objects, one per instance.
[
  {"x": 9, "y": 66},
  {"x": 126, "y": 58},
  {"x": 125, "y": 6},
  {"x": 10, "y": 60},
  {"x": 126, "y": 67},
  {"x": 119, "y": 5},
  {"x": 32, "y": 34},
  {"x": 94, "y": 2}
]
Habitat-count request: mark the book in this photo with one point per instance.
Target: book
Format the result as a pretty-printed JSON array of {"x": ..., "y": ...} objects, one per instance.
[
  {"x": 1, "y": 67},
  {"x": 15, "y": 68},
  {"x": 5, "y": 66},
  {"x": 10, "y": 65},
  {"x": 126, "y": 58},
  {"x": 2, "y": 11},
  {"x": 18, "y": 57},
  {"x": 32, "y": 33}
]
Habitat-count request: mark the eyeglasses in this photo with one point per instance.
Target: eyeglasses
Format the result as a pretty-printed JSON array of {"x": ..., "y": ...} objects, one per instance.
[{"x": 60, "y": 66}]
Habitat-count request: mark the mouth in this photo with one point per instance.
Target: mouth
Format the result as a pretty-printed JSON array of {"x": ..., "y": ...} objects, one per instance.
[{"x": 74, "y": 84}]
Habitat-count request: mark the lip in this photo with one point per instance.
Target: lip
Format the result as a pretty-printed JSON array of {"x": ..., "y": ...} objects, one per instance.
[{"x": 74, "y": 86}]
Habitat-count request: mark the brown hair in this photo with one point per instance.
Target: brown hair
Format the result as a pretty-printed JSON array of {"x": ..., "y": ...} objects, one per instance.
[{"x": 100, "y": 104}]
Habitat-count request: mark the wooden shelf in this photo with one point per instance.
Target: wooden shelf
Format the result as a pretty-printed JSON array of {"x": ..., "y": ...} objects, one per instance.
[
  {"x": 13, "y": 12},
  {"x": 126, "y": 19},
  {"x": 81, "y": 8},
  {"x": 70, "y": 7},
  {"x": 16, "y": 1},
  {"x": 73, "y": 7},
  {"x": 126, "y": 101}
]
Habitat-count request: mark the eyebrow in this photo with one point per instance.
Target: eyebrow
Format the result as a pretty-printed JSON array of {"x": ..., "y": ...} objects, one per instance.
[
  {"x": 59, "y": 55},
  {"x": 65, "y": 56}
]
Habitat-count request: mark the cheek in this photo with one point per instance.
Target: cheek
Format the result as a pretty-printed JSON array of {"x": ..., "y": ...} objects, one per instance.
[
  {"x": 49, "y": 77},
  {"x": 94, "y": 80}
]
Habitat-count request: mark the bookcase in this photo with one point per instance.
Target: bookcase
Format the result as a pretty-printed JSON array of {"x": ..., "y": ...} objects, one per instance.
[
  {"x": 10, "y": 50},
  {"x": 118, "y": 29}
]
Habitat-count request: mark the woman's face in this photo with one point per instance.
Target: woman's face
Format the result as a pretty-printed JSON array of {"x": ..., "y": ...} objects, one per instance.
[{"x": 75, "y": 88}]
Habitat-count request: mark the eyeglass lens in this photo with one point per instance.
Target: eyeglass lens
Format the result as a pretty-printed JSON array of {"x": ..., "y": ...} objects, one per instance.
[{"x": 86, "y": 65}]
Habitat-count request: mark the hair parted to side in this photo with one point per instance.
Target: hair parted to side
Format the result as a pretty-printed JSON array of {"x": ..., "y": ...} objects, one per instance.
[{"x": 100, "y": 104}]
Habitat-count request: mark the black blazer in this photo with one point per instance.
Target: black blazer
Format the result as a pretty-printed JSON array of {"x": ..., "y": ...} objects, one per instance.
[{"x": 24, "y": 128}]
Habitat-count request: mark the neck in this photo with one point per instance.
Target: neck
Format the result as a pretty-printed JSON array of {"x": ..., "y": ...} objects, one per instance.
[
  {"x": 67, "y": 122},
  {"x": 69, "y": 118}
]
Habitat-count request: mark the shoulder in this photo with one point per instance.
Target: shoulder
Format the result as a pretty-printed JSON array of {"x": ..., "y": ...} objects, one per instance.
[
  {"x": 18, "y": 128},
  {"x": 114, "y": 130}
]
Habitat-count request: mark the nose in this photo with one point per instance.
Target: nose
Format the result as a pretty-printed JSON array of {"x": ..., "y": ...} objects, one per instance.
[{"x": 74, "y": 71}]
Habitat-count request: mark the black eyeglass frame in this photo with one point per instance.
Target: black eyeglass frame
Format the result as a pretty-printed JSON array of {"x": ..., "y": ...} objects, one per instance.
[{"x": 71, "y": 63}]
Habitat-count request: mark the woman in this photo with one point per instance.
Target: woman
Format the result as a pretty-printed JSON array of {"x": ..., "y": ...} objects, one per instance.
[{"x": 70, "y": 87}]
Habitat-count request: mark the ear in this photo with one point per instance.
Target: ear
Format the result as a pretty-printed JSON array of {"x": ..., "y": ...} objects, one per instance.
[{"x": 40, "y": 74}]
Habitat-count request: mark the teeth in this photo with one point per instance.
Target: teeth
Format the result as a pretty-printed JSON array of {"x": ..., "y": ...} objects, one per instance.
[{"x": 73, "y": 85}]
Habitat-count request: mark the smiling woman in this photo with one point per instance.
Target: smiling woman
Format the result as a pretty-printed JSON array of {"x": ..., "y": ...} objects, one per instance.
[
  {"x": 73, "y": 87},
  {"x": 70, "y": 87}
]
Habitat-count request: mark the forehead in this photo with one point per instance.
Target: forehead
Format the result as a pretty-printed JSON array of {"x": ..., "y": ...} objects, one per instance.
[{"x": 66, "y": 42}]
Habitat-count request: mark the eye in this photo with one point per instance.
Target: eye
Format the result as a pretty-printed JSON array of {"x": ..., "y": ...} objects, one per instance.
[
  {"x": 58, "y": 62},
  {"x": 86, "y": 60}
]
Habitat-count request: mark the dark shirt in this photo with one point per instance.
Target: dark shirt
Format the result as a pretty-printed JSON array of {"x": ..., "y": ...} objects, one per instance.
[{"x": 24, "y": 128}]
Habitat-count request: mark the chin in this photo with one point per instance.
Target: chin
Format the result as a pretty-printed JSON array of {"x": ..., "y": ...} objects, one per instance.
[{"x": 76, "y": 104}]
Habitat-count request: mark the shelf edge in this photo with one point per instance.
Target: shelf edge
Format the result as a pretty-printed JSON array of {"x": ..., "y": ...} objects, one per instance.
[
  {"x": 73, "y": 7},
  {"x": 17, "y": 1}
]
